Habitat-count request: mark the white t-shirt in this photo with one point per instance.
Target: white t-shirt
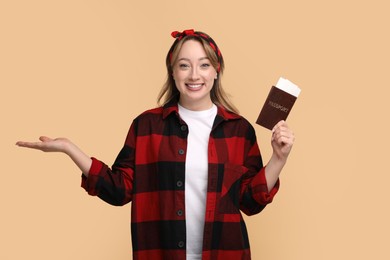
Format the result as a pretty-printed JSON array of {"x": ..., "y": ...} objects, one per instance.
[{"x": 199, "y": 125}]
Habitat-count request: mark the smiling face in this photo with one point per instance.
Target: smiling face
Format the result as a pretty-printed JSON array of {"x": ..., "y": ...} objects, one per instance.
[{"x": 194, "y": 76}]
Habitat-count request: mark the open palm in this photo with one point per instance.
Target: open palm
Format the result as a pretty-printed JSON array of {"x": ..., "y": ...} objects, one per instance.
[{"x": 46, "y": 144}]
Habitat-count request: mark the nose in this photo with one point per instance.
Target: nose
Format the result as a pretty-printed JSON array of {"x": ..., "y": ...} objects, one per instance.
[{"x": 194, "y": 74}]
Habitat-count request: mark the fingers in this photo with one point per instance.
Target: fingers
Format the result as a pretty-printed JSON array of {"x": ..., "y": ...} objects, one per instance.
[
  {"x": 279, "y": 124},
  {"x": 285, "y": 141},
  {"x": 282, "y": 134},
  {"x": 45, "y": 139},
  {"x": 47, "y": 144},
  {"x": 35, "y": 145},
  {"x": 282, "y": 140}
]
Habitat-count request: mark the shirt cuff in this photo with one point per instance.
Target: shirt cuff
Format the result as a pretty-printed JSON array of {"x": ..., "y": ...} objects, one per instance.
[
  {"x": 260, "y": 188},
  {"x": 89, "y": 183}
]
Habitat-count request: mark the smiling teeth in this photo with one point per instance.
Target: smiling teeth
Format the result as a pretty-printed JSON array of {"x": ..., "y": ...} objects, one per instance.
[{"x": 194, "y": 86}]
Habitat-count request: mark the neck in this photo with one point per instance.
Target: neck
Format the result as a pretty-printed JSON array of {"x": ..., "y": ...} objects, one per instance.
[{"x": 200, "y": 106}]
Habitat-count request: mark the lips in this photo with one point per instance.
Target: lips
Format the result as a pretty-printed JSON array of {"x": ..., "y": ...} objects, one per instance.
[{"x": 194, "y": 86}]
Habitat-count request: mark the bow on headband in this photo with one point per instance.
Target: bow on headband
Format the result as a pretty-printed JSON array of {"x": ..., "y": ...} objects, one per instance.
[
  {"x": 180, "y": 35},
  {"x": 208, "y": 39}
]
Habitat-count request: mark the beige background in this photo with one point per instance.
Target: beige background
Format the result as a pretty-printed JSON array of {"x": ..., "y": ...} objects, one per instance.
[{"x": 84, "y": 69}]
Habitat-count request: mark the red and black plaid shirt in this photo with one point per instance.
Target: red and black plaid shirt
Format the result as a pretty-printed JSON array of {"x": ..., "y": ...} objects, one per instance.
[{"x": 150, "y": 172}]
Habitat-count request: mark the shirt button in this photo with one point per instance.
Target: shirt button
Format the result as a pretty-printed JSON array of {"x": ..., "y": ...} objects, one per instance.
[
  {"x": 183, "y": 128},
  {"x": 181, "y": 151},
  {"x": 179, "y": 213},
  {"x": 179, "y": 184},
  {"x": 180, "y": 244}
]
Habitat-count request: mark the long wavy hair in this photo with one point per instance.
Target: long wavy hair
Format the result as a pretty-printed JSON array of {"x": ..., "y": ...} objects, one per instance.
[{"x": 169, "y": 91}]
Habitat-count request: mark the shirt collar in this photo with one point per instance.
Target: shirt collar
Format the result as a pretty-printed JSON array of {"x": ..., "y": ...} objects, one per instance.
[{"x": 172, "y": 107}]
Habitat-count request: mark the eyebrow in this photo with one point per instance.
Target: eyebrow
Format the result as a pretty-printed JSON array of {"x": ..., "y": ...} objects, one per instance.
[{"x": 186, "y": 59}]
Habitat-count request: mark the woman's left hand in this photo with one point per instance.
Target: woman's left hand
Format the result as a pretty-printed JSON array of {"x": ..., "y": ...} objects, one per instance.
[{"x": 282, "y": 140}]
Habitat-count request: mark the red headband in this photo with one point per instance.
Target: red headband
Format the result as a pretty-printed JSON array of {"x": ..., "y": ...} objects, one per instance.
[{"x": 191, "y": 32}]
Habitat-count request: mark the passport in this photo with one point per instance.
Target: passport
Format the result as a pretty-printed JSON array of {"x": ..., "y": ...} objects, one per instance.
[{"x": 278, "y": 104}]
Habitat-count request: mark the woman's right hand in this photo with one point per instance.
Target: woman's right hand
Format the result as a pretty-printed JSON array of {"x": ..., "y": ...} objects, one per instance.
[
  {"x": 47, "y": 144},
  {"x": 64, "y": 145}
]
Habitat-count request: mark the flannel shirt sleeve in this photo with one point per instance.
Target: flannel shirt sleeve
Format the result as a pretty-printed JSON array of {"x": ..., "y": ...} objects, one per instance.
[
  {"x": 254, "y": 190},
  {"x": 113, "y": 185}
]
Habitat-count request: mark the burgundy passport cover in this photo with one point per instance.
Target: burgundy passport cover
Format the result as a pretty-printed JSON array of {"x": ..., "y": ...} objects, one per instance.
[{"x": 277, "y": 106}]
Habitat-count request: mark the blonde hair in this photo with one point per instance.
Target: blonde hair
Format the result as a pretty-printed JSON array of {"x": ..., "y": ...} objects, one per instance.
[{"x": 169, "y": 91}]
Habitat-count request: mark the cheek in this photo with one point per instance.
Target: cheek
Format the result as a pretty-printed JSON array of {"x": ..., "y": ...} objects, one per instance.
[
  {"x": 174, "y": 71},
  {"x": 210, "y": 75},
  {"x": 211, "y": 78},
  {"x": 178, "y": 75}
]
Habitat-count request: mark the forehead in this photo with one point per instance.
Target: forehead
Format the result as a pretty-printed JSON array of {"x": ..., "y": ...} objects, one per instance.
[{"x": 192, "y": 49}]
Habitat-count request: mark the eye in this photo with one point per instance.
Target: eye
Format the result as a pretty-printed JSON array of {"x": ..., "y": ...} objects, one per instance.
[
  {"x": 184, "y": 66},
  {"x": 205, "y": 65}
]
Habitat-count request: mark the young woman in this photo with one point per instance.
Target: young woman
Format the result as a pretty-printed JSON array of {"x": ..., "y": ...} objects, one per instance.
[{"x": 190, "y": 166}]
